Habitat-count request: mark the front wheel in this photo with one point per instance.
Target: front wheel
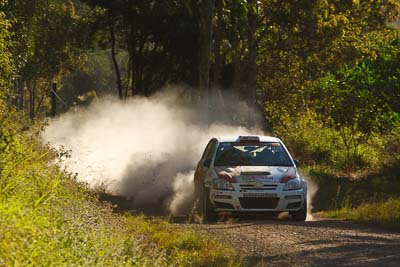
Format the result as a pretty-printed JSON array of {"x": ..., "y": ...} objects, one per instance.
[
  {"x": 300, "y": 215},
  {"x": 209, "y": 214}
]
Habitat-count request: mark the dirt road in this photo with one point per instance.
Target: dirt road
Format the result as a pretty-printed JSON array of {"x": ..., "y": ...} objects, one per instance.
[
  {"x": 319, "y": 242},
  {"x": 315, "y": 242}
]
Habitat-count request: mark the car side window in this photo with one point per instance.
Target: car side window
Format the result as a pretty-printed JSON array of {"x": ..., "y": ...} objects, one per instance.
[
  {"x": 211, "y": 151},
  {"x": 207, "y": 150}
]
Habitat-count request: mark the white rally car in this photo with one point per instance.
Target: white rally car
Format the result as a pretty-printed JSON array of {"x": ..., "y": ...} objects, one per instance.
[{"x": 249, "y": 174}]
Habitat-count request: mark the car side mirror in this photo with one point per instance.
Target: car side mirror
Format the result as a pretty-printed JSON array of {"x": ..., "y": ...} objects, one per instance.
[
  {"x": 297, "y": 163},
  {"x": 207, "y": 162}
]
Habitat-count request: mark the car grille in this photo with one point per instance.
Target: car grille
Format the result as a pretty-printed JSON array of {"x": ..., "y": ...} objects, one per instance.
[
  {"x": 258, "y": 202},
  {"x": 258, "y": 187}
]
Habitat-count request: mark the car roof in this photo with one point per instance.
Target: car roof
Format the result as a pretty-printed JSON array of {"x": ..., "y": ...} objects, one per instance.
[{"x": 236, "y": 138}]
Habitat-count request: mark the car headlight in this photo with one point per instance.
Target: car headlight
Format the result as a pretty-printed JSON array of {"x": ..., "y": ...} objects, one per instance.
[
  {"x": 222, "y": 184},
  {"x": 293, "y": 184}
]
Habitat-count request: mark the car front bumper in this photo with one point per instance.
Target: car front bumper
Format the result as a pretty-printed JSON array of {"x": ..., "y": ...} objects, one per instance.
[{"x": 258, "y": 200}]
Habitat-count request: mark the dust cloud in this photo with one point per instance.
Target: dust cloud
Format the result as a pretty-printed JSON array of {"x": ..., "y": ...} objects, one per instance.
[
  {"x": 312, "y": 189},
  {"x": 145, "y": 149}
]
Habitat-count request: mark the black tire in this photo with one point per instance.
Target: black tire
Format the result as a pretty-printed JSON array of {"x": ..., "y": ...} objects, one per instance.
[
  {"x": 209, "y": 214},
  {"x": 300, "y": 215},
  {"x": 198, "y": 199}
]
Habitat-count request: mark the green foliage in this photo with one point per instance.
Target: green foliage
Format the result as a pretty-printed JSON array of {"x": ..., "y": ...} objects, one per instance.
[
  {"x": 310, "y": 141},
  {"x": 6, "y": 63},
  {"x": 358, "y": 97},
  {"x": 330, "y": 79},
  {"x": 359, "y": 102},
  {"x": 48, "y": 218},
  {"x": 385, "y": 214},
  {"x": 45, "y": 36},
  {"x": 300, "y": 42},
  {"x": 391, "y": 149},
  {"x": 317, "y": 145},
  {"x": 48, "y": 38}
]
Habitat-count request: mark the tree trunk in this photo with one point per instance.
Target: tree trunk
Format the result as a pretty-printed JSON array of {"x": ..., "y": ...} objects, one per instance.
[
  {"x": 217, "y": 44},
  {"x": 53, "y": 100},
  {"x": 132, "y": 58},
  {"x": 236, "y": 68},
  {"x": 43, "y": 95},
  {"x": 252, "y": 47},
  {"x": 114, "y": 59},
  {"x": 205, "y": 25},
  {"x": 21, "y": 95},
  {"x": 14, "y": 94},
  {"x": 216, "y": 99},
  {"x": 129, "y": 78},
  {"x": 138, "y": 67},
  {"x": 31, "y": 85}
]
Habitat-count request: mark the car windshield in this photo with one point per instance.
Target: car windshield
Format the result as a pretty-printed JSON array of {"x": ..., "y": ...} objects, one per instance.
[{"x": 252, "y": 154}]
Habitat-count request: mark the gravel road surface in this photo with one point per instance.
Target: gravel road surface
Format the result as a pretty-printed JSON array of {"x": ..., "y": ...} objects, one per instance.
[{"x": 316, "y": 242}]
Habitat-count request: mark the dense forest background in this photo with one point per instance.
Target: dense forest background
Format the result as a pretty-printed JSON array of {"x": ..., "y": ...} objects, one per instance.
[{"x": 324, "y": 74}]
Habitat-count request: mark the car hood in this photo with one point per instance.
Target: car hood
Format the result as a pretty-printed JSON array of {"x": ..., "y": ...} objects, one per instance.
[{"x": 264, "y": 174}]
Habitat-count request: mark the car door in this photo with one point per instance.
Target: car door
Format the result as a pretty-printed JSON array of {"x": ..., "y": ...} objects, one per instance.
[{"x": 205, "y": 161}]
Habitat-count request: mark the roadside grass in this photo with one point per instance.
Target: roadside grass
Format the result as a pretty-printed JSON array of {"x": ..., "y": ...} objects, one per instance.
[
  {"x": 48, "y": 218},
  {"x": 385, "y": 214}
]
